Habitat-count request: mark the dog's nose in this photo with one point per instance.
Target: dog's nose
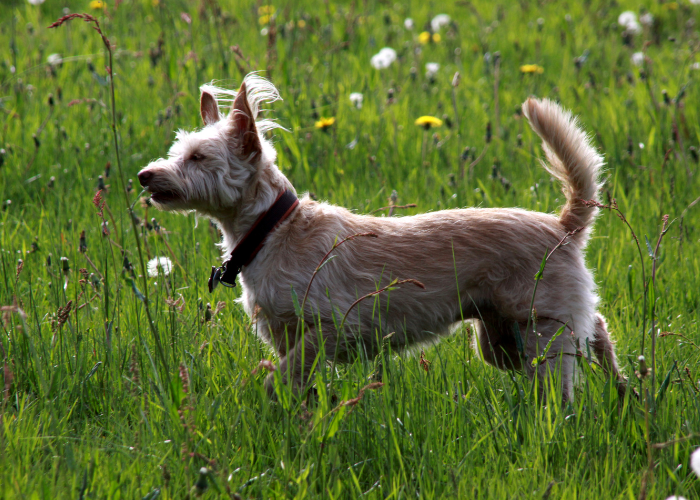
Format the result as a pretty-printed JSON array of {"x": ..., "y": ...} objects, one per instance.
[{"x": 145, "y": 176}]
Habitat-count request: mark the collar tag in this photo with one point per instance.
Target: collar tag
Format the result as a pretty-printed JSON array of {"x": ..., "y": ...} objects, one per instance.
[{"x": 214, "y": 278}]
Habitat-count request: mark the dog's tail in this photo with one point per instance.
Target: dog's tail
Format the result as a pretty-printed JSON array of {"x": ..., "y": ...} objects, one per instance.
[{"x": 572, "y": 160}]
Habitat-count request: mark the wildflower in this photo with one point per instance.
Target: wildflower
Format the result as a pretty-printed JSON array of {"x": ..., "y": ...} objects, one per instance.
[
  {"x": 356, "y": 99},
  {"x": 36, "y": 2},
  {"x": 264, "y": 19},
  {"x": 694, "y": 2},
  {"x": 697, "y": 64},
  {"x": 628, "y": 20},
  {"x": 638, "y": 58},
  {"x": 97, "y": 5},
  {"x": 426, "y": 37},
  {"x": 157, "y": 264},
  {"x": 673, "y": 5},
  {"x": 428, "y": 121},
  {"x": 266, "y": 9},
  {"x": 531, "y": 68},
  {"x": 384, "y": 58},
  {"x": 301, "y": 24},
  {"x": 324, "y": 123},
  {"x": 439, "y": 21},
  {"x": 695, "y": 462},
  {"x": 431, "y": 69},
  {"x": 186, "y": 17},
  {"x": 408, "y": 23},
  {"x": 54, "y": 59},
  {"x": 647, "y": 19}
]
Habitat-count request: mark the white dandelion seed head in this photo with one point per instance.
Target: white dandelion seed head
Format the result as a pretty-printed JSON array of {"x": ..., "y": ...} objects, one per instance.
[
  {"x": 431, "y": 69},
  {"x": 36, "y": 2},
  {"x": 159, "y": 264},
  {"x": 638, "y": 58},
  {"x": 628, "y": 20},
  {"x": 695, "y": 462},
  {"x": 54, "y": 59},
  {"x": 676, "y": 497},
  {"x": 383, "y": 59},
  {"x": 356, "y": 99},
  {"x": 647, "y": 19},
  {"x": 627, "y": 17},
  {"x": 264, "y": 31},
  {"x": 408, "y": 23},
  {"x": 439, "y": 21}
]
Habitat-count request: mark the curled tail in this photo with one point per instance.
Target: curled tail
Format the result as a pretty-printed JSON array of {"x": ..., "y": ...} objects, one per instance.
[{"x": 572, "y": 159}]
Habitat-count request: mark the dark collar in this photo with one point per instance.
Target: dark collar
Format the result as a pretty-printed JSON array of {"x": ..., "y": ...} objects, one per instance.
[{"x": 252, "y": 242}]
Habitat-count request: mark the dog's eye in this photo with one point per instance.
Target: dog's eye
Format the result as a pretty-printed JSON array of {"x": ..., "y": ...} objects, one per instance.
[{"x": 197, "y": 157}]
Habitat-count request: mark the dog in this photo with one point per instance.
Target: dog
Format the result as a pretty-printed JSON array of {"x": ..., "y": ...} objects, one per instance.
[{"x": 475, "y": 264}]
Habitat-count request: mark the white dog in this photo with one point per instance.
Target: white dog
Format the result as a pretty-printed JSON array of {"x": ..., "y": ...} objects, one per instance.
[{"x": 475, "y": 264}]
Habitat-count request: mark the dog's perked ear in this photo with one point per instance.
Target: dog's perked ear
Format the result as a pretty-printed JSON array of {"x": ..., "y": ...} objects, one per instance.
[
  {"x": 245, "y": 133},
  {"x": 208, "y": 108}
]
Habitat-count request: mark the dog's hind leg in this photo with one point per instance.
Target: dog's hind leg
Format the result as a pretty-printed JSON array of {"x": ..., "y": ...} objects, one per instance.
[
  {"x": 495, "y": 336},
  {"x": 560, "y": 358},
  {"x": 604, "y": 351}
]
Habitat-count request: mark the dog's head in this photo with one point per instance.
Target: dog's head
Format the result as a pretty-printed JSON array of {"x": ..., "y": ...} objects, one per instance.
[{"x": 211, "y": 169}]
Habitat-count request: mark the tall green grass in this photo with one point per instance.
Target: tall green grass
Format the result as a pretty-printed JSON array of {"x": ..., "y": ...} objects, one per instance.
[{"x": 89, "y": 408}]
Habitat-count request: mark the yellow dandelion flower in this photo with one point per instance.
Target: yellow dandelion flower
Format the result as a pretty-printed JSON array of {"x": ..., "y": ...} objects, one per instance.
[
  {"x": 266, "y": 9},
  {"x": 424, "y": 37},
  {"x": 428, "y": 121},
  {"x": 263, "y": 20},
  {"x": 531, "y": 68},
  {"x": 324, "y": 123},
  {"x": 97, "y": 5},
  {"x": 437, "y": 38},
  {"x": 301, "y": 23}
]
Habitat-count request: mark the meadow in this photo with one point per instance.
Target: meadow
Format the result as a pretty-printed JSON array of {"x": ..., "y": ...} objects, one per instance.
[{"x": 95, "y": 402}]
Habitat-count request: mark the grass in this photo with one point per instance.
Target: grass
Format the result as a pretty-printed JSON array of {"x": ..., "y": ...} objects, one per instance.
[{"x": 88, "y": 407}]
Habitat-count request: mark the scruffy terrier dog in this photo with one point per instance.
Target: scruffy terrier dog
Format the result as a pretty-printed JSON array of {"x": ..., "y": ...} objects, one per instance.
[{"x": 476, "y": 264}]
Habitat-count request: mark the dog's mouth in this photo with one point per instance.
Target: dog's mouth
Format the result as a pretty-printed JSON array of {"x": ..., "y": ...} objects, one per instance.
[{"x": 164, "y": 197}]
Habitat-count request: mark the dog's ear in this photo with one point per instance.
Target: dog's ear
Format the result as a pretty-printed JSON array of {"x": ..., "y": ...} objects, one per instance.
[
  {"x": 208, "y": 108},
  {"x": 245, "y": 133}
]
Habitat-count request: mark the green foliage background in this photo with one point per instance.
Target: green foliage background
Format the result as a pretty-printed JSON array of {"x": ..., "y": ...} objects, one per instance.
[{"x": 87, "y": 409}]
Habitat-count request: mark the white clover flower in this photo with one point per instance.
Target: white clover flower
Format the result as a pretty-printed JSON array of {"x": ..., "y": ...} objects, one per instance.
[
  {"x": 356, "y": 99},
  {"x": 431, "y": 69},
  {"x": 36, "y": 2},
  {"x": 647, "y": 19},
  {"x": 439, "y": 21},
  {"x": 695, "y": 462},
  {"x": 408, "y": 23},
  {"x": 638, "y": 58},
  {"x": 54, "y": 59},
  {"x": 162, "y": 264},
  {"x": 384, "y": 58}
]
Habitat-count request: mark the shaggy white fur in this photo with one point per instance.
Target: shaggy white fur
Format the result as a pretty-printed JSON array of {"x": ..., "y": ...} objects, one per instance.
[{"x": 475, "y": 264}]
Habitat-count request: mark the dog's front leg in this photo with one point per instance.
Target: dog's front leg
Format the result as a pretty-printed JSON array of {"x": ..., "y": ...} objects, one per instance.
[{"x": 295, "y": 367}]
